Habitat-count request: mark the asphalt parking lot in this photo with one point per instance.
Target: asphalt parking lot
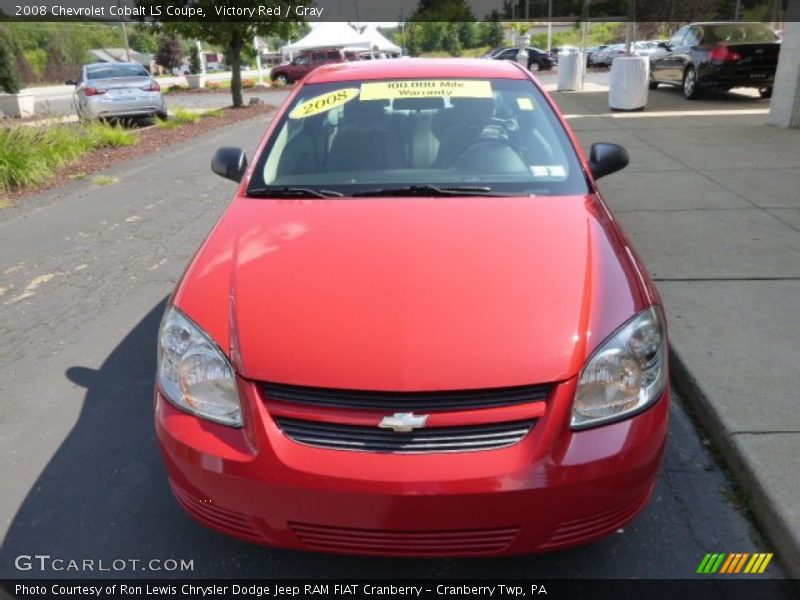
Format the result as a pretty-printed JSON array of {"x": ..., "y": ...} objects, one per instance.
[{"x": 86, "y": 271}]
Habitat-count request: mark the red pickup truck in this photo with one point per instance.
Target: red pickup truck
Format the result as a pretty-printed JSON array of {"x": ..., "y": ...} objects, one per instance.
[{"x": 304, "y": 63}]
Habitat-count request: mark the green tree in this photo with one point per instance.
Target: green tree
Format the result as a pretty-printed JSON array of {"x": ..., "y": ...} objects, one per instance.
[
  {"x": 451, "y": 42},
  {"x": 468, "y": 34},
  {"x": 9, "y": 79},
  {"x": 492, "y": 31},
  {"x": 170, "y": 53},
  {"x": 233, "y": 35},
  {"x": 141, "y": 39}
]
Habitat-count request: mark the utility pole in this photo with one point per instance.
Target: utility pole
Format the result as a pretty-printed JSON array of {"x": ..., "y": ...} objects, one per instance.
[
  {"x": 549, "y": 25},
  {"x": 258, "y": 58},
  {"x": 125, "y": 35},
  {"x": 127, "y": 46},
  {"x": 403, "y": 30},
  {"x": 202, "y": 57}
]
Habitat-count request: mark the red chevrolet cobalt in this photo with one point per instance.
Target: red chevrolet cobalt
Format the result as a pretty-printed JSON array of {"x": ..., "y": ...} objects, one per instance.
[{"x": 417, "y": 330}]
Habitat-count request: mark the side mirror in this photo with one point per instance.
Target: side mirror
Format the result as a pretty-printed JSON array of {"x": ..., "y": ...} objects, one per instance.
[
  {"x": 605, "y": 159},
  {"x": 230, "y": 163},
  {"x": 70, "y": 82}
]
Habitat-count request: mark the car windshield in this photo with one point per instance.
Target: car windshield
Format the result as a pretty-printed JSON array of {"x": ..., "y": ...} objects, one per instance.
[
  {"x": 111, "y": 70},
  {"x": 739, "y": 32},
  {"x": 488, "y": 136}
]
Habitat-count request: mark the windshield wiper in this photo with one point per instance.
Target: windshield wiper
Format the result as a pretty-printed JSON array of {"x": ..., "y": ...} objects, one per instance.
[
  {"x": 292, "y": 192},
  {"x": 430, "y": 190}
]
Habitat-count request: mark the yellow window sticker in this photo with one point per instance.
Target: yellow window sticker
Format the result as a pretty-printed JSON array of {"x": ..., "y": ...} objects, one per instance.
[
  {"x": 323, "y": 103},
  {"x": 525, "y": 103},
  {"x": 425, "y": 88}
]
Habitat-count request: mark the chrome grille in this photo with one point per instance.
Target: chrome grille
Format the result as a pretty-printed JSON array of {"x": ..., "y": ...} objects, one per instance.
[
  {"x": 335, "y": 436},
  {"x": 407, "y": 401}
]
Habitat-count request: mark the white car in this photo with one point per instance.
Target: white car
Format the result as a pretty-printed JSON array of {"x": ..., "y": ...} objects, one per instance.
[{"x": 117, "y": 90}]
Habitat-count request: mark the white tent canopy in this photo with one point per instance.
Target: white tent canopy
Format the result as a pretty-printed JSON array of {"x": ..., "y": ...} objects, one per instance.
[
  {"x": 376, "y": 38},
  {"x": 332, "y": 34}
]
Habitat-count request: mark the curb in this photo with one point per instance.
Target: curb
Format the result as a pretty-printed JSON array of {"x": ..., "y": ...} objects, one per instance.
[{"x": 766, "y": 510}]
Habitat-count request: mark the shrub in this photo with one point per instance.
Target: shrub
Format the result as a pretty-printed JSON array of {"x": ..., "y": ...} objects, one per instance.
[
  {"x": 213, "y": 85},
  {"x": 248, "y": 83},
  {"x": 9, "y": 78},
  {"x": 195, "y": 66}
]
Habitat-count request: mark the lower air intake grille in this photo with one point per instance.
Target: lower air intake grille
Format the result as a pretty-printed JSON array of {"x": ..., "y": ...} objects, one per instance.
[
  {"x": 473, "y": 542},
  {"x": 406, "y": 401},
  {"x": 373, "y": 439}
]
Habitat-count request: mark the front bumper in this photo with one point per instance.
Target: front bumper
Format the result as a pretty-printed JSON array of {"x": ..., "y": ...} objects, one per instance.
[{"x": 554, "y": 489}]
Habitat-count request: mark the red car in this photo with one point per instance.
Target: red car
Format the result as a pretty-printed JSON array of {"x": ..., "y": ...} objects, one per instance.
[
  {"x": 305, "y": 62},
  {"x": 417, "y": 330}
]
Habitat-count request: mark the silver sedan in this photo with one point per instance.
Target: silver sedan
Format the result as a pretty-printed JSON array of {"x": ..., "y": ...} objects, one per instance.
[{"x": 116, "y": 90}]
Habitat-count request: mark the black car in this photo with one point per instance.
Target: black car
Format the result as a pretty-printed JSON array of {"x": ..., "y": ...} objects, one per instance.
[
  {"x": 718, "y": 55},
  {"x": 537, "y": 59}
]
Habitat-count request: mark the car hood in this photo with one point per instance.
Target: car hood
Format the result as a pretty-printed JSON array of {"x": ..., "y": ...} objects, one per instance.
[{"x": 411, "y": 293}]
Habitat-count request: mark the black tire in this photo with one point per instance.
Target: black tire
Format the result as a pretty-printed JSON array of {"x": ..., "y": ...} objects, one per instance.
[
  {"x": 690, "y": 87},
  {"x": 652, "y": 85},
  {"x": 765, "y": 92},
  {"x": 281, "y": 78},
  {"x": 534, "y": 66}
]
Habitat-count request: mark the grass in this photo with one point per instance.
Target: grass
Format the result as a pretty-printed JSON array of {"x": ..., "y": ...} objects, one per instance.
[
  {"x": 181, "y": 116},
  {"x": 104, "y": 180},
  {"x": 178, "y": 118},
  {"x": 103, "y": 135},
  {"x": 30, "y": 155}
]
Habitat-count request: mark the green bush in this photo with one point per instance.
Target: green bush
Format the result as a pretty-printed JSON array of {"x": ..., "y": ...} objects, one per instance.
[
  {"x": 9, "y": 78},
  {"x": 195, "y": 66},
  {"x": 28, "y": 156}
]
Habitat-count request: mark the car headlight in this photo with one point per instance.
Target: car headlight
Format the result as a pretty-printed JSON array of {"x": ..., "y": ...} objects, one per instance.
[
  {"x": 194, "y": 374},
  {"x": 625, "y": 375}
]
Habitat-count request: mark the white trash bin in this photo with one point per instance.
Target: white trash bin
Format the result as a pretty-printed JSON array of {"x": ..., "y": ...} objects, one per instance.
[
  {"x": 569, "y": 71},
  {"x": 628, "y": 83}
]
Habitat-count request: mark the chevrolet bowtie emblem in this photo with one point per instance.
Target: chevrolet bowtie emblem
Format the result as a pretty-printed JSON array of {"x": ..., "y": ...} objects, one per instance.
[{"x": 403, "y": 422}]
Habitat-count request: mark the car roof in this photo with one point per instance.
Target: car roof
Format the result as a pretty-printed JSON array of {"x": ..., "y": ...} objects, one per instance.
[
  {"x": 106, "y": 64},
  {"x": 416, "y": 68}
]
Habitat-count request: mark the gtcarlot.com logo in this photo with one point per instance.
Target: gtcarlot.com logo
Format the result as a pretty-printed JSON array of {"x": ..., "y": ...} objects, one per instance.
[
  {"x": 46, "y": 562},
  {"x": 736, "y": 562}
]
